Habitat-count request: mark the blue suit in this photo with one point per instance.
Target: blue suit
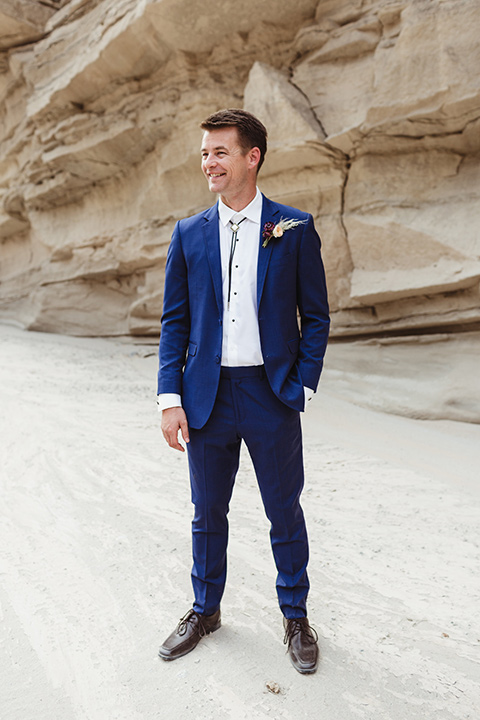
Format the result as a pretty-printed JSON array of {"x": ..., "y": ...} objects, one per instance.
[{"x": 224, "y": 406}]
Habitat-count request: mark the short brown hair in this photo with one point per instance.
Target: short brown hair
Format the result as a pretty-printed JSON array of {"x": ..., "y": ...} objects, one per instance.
[{"x": 251, "y": 132}]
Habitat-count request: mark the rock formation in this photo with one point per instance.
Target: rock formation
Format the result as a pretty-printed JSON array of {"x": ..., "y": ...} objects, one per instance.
[{"x": 373, "y": 108}]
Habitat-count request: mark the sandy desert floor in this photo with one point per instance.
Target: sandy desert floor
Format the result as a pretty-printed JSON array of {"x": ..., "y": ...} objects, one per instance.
[{"x": 95, "y": 556}]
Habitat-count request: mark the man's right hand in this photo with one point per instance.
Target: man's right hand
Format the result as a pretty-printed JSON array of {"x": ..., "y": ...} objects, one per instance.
[{"x": 173, "y": 420}]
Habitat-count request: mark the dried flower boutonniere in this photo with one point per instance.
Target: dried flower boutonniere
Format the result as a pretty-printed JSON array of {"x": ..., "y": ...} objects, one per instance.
[{"x": 276, "y": 231}]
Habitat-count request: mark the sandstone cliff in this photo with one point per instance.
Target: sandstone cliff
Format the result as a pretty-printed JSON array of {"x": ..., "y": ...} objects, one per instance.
[{"x": 373, "y": 108}]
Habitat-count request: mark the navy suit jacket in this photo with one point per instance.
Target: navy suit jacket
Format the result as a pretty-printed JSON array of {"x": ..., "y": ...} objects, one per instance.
[{"x": 290, "y": 276}]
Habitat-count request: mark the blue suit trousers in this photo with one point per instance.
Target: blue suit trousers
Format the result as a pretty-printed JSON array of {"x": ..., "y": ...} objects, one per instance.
[{"x": 247, "y": 409}]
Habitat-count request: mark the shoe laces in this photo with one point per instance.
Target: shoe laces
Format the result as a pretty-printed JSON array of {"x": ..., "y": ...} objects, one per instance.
[
  {"x": 296, "y": 626},
  {"x": 191, "y": 618}
]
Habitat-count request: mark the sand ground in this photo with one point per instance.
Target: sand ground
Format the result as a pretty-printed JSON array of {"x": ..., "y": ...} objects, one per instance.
[{"x": 95, "y": 556}]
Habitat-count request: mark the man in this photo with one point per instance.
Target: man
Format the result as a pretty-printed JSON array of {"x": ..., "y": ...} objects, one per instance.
[{"x": 234, "y": 365}]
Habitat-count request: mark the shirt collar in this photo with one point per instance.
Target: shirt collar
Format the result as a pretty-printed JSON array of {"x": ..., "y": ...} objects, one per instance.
[{"x": 253, "y": 211}]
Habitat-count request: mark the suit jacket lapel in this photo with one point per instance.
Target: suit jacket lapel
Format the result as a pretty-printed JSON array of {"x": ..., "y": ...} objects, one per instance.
[
  {"x": 212, "y": 245},
  {"x": 269, "y": 213}
]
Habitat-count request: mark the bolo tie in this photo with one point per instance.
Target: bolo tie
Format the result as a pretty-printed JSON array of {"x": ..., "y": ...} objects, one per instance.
[{"x": 233, "y": 245}]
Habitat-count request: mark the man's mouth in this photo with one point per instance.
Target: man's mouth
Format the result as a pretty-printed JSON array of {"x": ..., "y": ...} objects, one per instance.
[{"x": 215, "y": 175}]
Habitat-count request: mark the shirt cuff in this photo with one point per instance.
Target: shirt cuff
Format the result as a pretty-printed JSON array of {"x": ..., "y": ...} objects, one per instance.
[
  {"x": 309, "y": 393},
  {"x": 168, "y": 400}
]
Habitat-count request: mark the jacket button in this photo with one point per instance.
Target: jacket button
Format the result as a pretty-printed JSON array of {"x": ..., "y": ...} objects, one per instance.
[{"x": 217, "y": 359}]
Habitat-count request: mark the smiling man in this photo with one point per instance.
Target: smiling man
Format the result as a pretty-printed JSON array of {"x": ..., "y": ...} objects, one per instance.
[{"x": 235, "y": 366}]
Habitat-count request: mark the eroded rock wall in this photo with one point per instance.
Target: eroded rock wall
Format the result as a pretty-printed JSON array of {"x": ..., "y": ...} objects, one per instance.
[{"x": 373, "y": 110}]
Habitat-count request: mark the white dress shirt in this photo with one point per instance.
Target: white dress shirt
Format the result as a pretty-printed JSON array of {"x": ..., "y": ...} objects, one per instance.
[{"x": 241, "y": 335}]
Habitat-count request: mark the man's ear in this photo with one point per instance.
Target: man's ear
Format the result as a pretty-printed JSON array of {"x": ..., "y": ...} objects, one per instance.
[{"x": 254, "y": 156}]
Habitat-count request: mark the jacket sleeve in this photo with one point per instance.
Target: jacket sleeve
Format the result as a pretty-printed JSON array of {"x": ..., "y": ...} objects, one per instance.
[
  {"x": 175, "y": 328},
  {"x": 312, "y": 305}
]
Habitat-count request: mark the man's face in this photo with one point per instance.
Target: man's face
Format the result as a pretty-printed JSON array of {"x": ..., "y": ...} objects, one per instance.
[{"x": 228, "y": 170}]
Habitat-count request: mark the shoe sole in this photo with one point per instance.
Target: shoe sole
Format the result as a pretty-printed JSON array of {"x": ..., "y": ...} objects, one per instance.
[{"x": 304, "y": 671}]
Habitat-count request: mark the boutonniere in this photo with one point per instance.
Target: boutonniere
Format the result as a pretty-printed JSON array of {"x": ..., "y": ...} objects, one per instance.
[{"x": 276, "y": 231}]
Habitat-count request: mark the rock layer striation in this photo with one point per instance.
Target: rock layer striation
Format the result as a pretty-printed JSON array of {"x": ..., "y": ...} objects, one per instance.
[{"x": 373, "y": 110}]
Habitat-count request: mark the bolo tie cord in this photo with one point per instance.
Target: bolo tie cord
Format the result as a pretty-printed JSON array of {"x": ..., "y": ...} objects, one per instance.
[{"x": 233, "y": 245}]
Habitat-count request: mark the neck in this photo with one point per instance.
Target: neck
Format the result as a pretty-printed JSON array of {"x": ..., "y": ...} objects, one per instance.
[{"x": 239, "y": 202}]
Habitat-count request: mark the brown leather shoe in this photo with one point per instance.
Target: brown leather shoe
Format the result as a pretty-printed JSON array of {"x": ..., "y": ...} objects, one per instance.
[
  {"x": 188, "y": 633},
  {"x": 302, "y": 644}
]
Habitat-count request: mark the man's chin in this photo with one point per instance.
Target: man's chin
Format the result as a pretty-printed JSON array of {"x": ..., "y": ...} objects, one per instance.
[{"x": 215, "y": 187}]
